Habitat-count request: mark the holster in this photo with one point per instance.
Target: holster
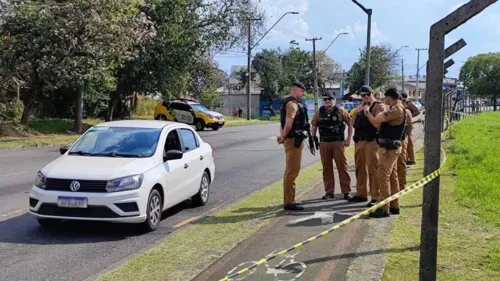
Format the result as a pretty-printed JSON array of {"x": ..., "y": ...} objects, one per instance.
[
  {"x": 389, "y": 144},
  {"x": 297, "y": 140}
]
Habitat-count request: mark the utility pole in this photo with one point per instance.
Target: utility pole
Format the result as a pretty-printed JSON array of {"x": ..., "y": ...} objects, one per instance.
[
  {"x": 249, "y": 68},
  {"x": 316, "y": 97},
  {"x": 368, "y": 39},
  {"x": 402, "y": 76},
  {"x": 417, "y": 90}
]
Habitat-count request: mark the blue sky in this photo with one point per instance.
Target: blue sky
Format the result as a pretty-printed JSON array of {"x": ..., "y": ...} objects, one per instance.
[{"x": 397, "y": 22}]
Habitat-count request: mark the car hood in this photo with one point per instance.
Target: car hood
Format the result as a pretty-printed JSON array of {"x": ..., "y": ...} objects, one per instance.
[
  {"x": 96, "y": 167},
  {"x": 213, "y": 113}
]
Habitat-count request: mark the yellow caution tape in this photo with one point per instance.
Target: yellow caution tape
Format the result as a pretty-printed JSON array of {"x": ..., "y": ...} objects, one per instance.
[{"x": 409, "y": 189}]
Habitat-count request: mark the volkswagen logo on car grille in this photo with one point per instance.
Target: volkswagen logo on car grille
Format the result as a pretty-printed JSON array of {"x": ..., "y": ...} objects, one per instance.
[{"x": 74, "y": 186}]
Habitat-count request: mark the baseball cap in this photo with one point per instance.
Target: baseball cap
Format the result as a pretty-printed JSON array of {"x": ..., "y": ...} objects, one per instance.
[
  {"x": 365, "y": 89},
  {"x": 328, "y": 95}
]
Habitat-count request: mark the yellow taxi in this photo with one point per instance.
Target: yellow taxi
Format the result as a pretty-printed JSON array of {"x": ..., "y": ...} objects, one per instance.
[{"x": 189, "y": 112}]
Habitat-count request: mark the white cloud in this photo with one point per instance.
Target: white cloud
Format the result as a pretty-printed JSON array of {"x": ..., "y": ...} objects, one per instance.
[
  {"x": 357, "y": 31},
  {"x": 291, "y": 27}
]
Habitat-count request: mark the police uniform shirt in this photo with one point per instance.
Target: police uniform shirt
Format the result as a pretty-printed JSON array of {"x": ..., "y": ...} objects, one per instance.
[
  {"x": 379, "y": 107},
  {"x": 412, "y": 107},
  {"x": 341, "y": 111},
  {"x": 291, "y": 109},
  {"x": 409, "y": 123},
  {"x": 395, "y": 114}
]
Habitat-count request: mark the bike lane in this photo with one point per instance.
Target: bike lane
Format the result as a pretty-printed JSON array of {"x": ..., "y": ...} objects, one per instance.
[{"x": 327, "y": 258}]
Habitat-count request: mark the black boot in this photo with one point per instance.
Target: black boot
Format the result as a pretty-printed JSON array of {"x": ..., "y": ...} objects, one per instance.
[
  {"x": 357, "y": 199},
  {"x": 328, "y": 196},
  {"x": 372, "y": 203},
  {"x": 293, "y": 207},
  {"x": 394, "y": 211},
  {"x": 379, "y": 213},
  {"x": 347, "y": 196}
]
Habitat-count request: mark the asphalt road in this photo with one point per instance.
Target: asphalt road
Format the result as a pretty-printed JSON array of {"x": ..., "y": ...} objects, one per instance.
[{"x": 247, "y": 159}]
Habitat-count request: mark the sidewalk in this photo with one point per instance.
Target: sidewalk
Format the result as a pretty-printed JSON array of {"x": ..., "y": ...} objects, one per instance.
[{"x": 353, "y": 252}]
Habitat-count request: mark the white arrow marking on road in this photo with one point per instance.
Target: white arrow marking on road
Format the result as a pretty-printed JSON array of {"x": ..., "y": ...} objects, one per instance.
[{"x": 317, "y": 215}]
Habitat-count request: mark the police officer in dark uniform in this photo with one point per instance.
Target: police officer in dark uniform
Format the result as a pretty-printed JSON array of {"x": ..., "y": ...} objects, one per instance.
[
  {"x": 294, "y": 124},
  {"x": 331, "y": 120},
  {"x": 392, "y": 127}
]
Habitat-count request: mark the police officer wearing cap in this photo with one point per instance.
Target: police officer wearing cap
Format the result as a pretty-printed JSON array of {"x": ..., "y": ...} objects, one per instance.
[
  {"x": 366, "y": 148},
  {"x": 410, "y": 159},
  {"x": 392, "y": 126},
  {"x": 294, "y": 122},
  {"x": 332, "y": 120}
]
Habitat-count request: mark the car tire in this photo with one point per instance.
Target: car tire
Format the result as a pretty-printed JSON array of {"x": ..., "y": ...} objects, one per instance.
[
  {"x": 162, "y": 117},
  {"x": 153, "y": 211},
  {"x": 48, "y": 223},
  {"x": 215, "y": 127},
  {"x": 201, "y": 198},
  {"x": 199, "y": 125}
]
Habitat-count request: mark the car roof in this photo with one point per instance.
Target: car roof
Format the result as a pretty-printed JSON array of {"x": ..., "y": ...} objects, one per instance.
[{"x": 150, "y": 124}]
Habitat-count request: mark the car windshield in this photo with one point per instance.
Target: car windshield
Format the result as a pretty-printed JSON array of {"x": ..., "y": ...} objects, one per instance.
[
  {"x": 117, "y": 142},
  {"x": 199, "y": 107}
]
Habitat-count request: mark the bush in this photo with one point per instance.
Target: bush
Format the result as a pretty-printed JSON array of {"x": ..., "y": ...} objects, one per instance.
[
  {"x": 11, "y": 111},
  {"x": 145, "y": 107}
]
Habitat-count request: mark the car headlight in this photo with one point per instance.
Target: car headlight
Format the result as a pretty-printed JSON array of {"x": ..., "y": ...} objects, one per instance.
[
  {"x": 40, "y": 181},
  {"x": 125, "y": 183}
]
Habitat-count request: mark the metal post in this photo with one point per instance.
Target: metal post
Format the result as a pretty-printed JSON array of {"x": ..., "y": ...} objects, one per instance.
[
  {"x": 368, "y": 39},
  {"x": 432, "y": 141},
  {"x": 417, "y": 90},
  {"x": 402, "y": 76},
  {"x": 368, "y": 47},
  {"x": 249, "y": 71},
  {"x": 316, "y": 94}
]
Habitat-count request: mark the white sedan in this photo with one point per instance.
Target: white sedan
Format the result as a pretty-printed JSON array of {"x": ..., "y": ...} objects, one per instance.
[{"x": 124, "y": 171}]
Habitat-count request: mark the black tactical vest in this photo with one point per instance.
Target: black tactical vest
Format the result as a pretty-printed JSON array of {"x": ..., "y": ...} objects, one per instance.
[
  {"x": 301, "y": 121},
  {"x": 364, "y": 130},
  {"x": 331, "y": 126},
  {"x": 390, "y": 136}
]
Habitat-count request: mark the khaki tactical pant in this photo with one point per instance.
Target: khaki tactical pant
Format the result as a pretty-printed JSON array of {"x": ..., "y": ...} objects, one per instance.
[
  {"x": 292, "y": 169},
  {"x": 410, "y": 149},
  {"x": 387, "y": 174},
  {"x": 329, "y": 152},
  {"x": 402, "y": 164},
  {"x": 366, "y": 159}
]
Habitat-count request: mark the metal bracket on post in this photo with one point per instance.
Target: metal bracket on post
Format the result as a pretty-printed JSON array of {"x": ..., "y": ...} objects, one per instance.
[{"x": 432, "y": 141}]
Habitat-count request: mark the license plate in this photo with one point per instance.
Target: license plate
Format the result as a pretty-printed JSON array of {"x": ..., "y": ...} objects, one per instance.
[
  {"x": 72, "y": 202},
  {"x": 221, "y": 122}
]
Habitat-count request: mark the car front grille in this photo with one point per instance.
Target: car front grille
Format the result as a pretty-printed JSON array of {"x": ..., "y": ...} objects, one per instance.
[
  {"x": 89, "y": 212},
  {"x": 85, "y": 185}
]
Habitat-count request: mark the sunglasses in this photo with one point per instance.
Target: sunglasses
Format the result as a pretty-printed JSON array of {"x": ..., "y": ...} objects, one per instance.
[{"x": 327, "y": 99}]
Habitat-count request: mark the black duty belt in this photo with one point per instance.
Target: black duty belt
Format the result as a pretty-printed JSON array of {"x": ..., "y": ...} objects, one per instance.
[
  {"x": 389, "y": 144},
  {"x": 356, "y": 138}
]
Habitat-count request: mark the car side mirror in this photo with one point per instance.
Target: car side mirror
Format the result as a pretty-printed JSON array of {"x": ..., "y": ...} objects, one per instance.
[
  {"x": 63, "y": 149},
  {"x": 172, "y": 155}
]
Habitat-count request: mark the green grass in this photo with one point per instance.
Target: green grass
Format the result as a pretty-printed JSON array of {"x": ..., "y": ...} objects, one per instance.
[
  {"x": 186, "y": 253},
  {"x": 469, "y": 236}
]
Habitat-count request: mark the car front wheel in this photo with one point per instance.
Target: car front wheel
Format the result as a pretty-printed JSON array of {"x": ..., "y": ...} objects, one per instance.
[
  {"x": 201, "y": 198},
  {"x": 199, "y": 125},
  {"x": 153, "y": 211}
]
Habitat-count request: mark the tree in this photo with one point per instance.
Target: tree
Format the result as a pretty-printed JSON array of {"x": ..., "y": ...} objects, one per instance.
[
  {"x": 481, "y": 75},
  {"x": 383, "y": 62},
  {"x": 54, "y": 44},
  {"x": 267, "y": 64}
]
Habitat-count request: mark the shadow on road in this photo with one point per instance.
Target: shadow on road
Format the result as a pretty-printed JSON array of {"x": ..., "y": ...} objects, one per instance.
[
  {"x": 361, "y": 254},
  {"x": 24, "y": 229}
]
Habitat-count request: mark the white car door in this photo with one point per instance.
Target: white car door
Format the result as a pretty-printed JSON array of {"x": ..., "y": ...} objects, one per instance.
[
  {"x": 194, "y": 158},
  {"x": 183, "y": 113},
  {"x": 176, "y": 172}
]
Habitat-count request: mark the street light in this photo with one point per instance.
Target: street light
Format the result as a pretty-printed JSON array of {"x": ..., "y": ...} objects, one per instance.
[
  {"x": 343, "y": 33},
  {"x": 368, "y": 37},
  {"x": 249, "y": 53}
]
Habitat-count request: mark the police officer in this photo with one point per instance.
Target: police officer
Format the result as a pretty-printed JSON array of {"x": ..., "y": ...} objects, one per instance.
[
  {"x": 331, "y": 120},
  {"x": 294, "y": 122},
  {"x": 414, "y": 112},
  {"x": 401, "y": 166},
  {"x": 392, "y": 125},
  {"x": 365, "y": 148}
]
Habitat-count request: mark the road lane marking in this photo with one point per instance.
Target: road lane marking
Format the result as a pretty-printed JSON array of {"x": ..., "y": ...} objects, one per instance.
[
  {"x": 13, "y": 174},
  {"x": 186, "y": 221},
  {"x": 12, "y": 214}
]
